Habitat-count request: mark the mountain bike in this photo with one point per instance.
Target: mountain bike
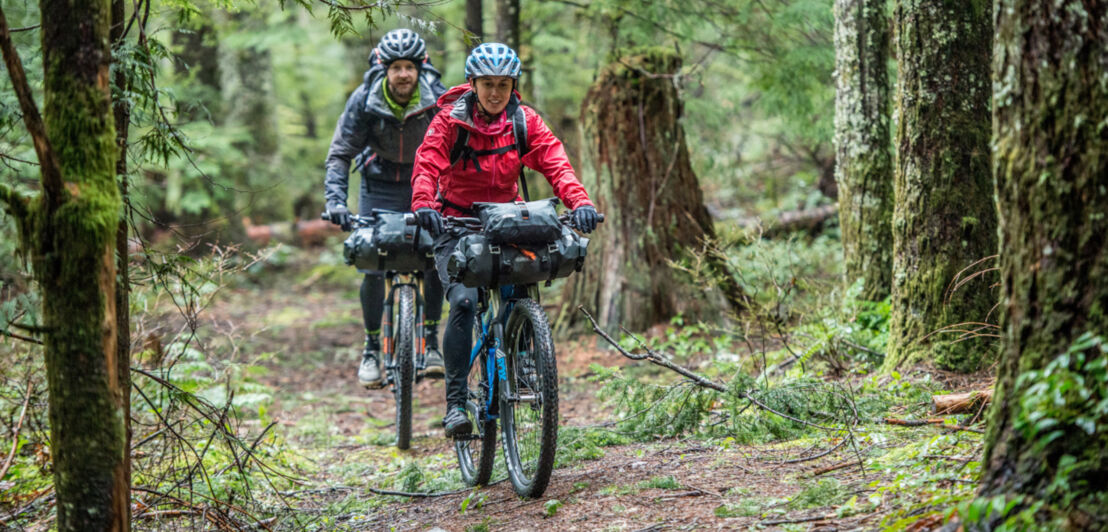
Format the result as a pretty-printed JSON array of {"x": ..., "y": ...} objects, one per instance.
[
  {"x": 403, "y": 345},
  {"x": 514, "y": 379}
]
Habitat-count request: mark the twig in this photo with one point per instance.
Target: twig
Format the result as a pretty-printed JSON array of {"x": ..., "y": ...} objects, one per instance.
[
  {"x": 418, "y": 494},
  {"x": 939, "y": 422},
  {"x": 813, "y": 457},
  {"x": 18, "y": 428},
  {"x": 790, "y": 521},
  {"x": 28, "y": 339},
  {"x": 831, "y": 468}
]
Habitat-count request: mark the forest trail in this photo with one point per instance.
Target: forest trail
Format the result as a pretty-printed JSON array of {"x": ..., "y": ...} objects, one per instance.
[{"x": 303, "y": 331}]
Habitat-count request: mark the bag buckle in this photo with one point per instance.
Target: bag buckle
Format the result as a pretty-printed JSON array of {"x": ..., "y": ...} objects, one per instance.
[
  {"x": 552, "y": 247},
  {"x": 494, "y": 249}
]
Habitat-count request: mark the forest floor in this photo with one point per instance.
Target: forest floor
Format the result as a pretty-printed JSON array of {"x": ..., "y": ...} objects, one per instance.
[
  {"x": 309, "y": 329},
  {"x": 282, "y": 340}
]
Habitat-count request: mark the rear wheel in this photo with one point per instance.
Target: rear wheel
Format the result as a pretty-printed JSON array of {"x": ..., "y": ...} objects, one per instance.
[
  {"x": 401, "y": 367},
  {"x": 529, "y": 399},
  {"x": 477, "y": 451}
]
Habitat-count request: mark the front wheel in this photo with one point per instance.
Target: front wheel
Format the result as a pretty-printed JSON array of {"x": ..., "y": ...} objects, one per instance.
[
  {"x": 529, "y": 399},
  {"x": 401, "y": 365}
]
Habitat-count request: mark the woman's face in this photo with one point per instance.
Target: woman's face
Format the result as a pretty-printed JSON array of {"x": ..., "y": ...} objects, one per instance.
[{"x": 493, "y": 92}]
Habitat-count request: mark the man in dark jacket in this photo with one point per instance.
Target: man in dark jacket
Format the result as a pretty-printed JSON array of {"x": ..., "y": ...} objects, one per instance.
[{"x": 383, "y": 124}]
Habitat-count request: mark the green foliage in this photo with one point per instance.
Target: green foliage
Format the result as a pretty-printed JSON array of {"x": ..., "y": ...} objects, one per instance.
[
  {"x": 825, "y": 492},
  {"x": 1070, "y": 394},
  {"x": 550, "y": 508}
]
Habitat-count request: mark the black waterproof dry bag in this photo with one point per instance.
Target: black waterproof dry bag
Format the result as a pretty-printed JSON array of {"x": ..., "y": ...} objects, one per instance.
[
  {"x": 389, "y": 244},
  {"x": 478, "y": 262},
  {"x": 533, "y": 222}
]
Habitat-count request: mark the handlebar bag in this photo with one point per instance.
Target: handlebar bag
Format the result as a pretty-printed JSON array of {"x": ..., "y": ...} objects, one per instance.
[
  {"x": 478, "y": 262},
  {"x": 389, "y": 245},
  {"x": 533, "y": 222}
]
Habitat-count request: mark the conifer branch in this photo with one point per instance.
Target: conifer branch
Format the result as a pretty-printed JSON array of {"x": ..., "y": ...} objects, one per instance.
[{"x": 52, "y": 186}]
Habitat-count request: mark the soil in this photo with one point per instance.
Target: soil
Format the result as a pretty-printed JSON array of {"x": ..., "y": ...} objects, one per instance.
[{"x": 312, "y": 328}]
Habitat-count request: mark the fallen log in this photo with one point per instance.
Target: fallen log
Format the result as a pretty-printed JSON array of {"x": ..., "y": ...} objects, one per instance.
[
  {"x": 960, "y": 403},
  {"x": 790, "y": 221}
]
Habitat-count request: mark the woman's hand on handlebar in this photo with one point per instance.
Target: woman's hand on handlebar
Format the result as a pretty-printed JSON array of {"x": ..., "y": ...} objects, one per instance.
[
  {"x": 586, "y": 218},
  {"x": 430, "y": 220}
]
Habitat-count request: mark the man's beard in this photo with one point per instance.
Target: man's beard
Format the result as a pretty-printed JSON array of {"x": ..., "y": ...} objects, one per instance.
[{"x": 402, "y": 93}]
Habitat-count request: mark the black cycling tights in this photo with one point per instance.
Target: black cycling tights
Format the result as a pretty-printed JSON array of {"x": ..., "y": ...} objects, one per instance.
[
  {"x": 373, "y": 304},
  {"x": 458, "y": 340}
]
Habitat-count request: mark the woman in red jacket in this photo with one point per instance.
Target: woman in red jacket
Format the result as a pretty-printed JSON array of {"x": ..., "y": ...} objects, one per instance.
[{"x": 482, "y": 112}]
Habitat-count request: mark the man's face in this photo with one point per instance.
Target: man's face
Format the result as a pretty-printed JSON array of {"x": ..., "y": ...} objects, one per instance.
[
  {"x": 493, "y": 92},
  {"x": 402, "y": 76}
]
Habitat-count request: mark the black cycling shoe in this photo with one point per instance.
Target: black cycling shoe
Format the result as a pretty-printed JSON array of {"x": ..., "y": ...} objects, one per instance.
[{"x": 456, "y": 423}]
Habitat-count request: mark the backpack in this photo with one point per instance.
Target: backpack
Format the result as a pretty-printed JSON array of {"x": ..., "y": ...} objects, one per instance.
[{"x": 462, "y": 150}]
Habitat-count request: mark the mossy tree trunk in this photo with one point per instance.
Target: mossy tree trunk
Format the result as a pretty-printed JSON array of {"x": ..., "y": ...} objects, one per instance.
[
  {"x": 655, "y": 212},
  {"x": 121, "y": 110},
  {"x": 863, "y": 166},
  {"x": 69, "y": 232},
  {"x": 944, "y": 216},
  {"x": 1051, "y": 164}
]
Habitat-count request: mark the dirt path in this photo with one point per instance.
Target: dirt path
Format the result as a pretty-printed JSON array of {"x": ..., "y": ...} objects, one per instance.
[{"x": 343, "y": 435}]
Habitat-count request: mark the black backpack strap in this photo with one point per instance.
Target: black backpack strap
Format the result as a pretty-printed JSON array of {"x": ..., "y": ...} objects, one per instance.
[
  {"x": 519, "y": 127},
  {"x": 468, "y": 211}
]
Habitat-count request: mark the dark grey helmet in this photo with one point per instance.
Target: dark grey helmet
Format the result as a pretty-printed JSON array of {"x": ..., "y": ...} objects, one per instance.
[{"x": 400, "y": 44}]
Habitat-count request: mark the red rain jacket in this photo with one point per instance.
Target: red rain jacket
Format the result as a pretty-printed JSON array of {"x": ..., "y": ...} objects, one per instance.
[{"x": 462, "y": 184}]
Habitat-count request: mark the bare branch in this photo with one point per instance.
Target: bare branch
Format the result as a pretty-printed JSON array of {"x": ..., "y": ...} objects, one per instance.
[
  {"x": 52, "y": 187},
  {"x": 25, "y": 28},
  {"x": 18, "y": 427}
]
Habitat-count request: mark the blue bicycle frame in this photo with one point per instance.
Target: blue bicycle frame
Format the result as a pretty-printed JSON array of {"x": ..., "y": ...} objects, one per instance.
[{"x": 491, "y": 319}]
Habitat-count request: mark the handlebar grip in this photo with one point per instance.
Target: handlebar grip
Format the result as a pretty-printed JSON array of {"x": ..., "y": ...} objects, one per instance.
[
  {"x": 410, "y": 219},
  {"x": 601, "y": 217}
]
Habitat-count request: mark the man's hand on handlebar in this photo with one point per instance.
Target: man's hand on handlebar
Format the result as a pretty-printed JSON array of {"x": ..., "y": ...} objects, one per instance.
[
  {"x": 430, "y": 220},
  {"x": 340, "y": 216}
]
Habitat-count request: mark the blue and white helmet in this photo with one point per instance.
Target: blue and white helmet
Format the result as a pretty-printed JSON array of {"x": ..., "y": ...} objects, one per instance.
[
  {"x": 493, "y": 59},
  {"x": 401, "y": 44}
]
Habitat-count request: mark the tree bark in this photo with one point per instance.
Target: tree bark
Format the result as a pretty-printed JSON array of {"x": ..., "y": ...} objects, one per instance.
[
  {"x": 507, "y": 23},
  {"x": 944, "y": 216},
  {"x": 197, "y": 58},
  {"x": 864, "y": 168},
  {"x": 475, "y": 17},
  {"x": 1051, "y": 165},
  {"x": 71, "y": 241},
  {"x": 121, "y": 110},
  {"x": 655, "y": 209}
]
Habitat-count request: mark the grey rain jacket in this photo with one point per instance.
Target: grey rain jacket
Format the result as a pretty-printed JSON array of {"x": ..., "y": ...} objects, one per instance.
[{"x": 367, "y": 124}]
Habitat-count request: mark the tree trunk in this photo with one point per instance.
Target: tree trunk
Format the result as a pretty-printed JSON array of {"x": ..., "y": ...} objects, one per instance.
[
  {"x": 197, "y": 59},
  {"x": 944, "y": 216},
  {"x": 122, "y": 114},
  {"x": 1051, "y": 165},
  {"x": 864, "y": 168},
  {"x": 73, "y": 252},
  {"x": 475, "y": 17},
  {"x": 247, "y": 83},
  {"x": 507, "y": 23},
  {"x": 655, "y": 210}
]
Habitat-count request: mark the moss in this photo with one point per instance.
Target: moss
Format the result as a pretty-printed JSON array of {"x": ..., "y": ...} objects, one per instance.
[
  {"x": 863, "y": 168},
  {"x": 1050, "y": 166},
  {"x": 943, "y": 179}
]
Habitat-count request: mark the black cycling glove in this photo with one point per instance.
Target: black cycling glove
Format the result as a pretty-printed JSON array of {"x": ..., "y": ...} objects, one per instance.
[
  {"x": 430, "y": 220},
  {"x": 585, "y": 218},
  {"x": 339, "y": 216}
]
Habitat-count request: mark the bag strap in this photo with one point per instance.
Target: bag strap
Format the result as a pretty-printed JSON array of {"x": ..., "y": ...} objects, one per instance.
[
  {"x": 462, "y": 150},
  {"x": 519, "y": 127}
]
